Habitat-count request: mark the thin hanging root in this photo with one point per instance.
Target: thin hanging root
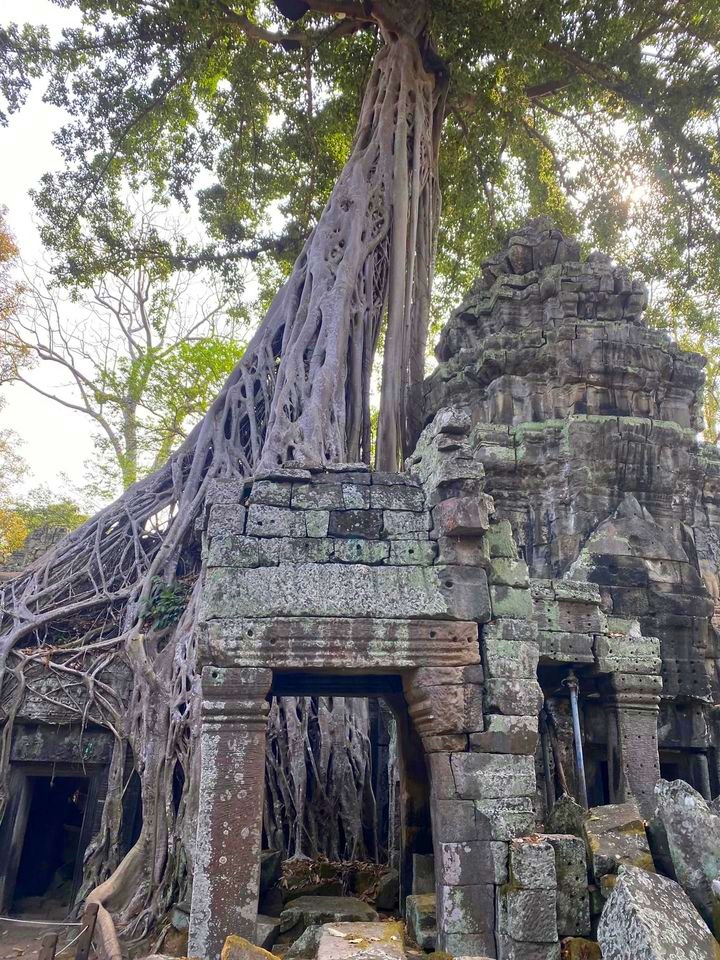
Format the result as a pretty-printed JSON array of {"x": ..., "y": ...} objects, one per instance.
[{"x": 300, "y": 393}]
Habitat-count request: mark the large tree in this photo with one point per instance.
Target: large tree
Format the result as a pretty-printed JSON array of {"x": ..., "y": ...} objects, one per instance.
[
  {"x": 139, "y": 355},
  {"x": 531, "y": 100}
]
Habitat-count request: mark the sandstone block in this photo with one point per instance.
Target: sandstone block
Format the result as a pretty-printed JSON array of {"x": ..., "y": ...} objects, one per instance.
[
  {"x": 341, "y": 941},
  {"x": 508, "y": 572},
  {"x": 466, "y": 909},
  {"x": 531, "y": 915},
  {"x": 267, "y": 931},
  {"x": 356, "y": 496},
  {"x": 238, "y": 948},
  {"x": 564, "y": 647},
  {"x": 386, "y": 479},
  {"x": 466, "y": 863},
  {"x": 356, "y": 523},
  {"x": 226, "y": 518},
  {"x": 567, "y": 817},
  {"x": 225, "y": 490},
  {"x": 693, "y": 836},
  {"x": 442, "y": 709},
  {"x": 615, "y": 835},
  {"x": 649, "y": 917},
  {"x": 232, "y": 550},
  {"x": 479, "y": 946},
  {"x": 504, "y": 819},
  {"x": 403, "y": 523},
  {"x": 510, "y": 658},
  {"x": 461, "y": 516},
  {"x": 420, "y": 918},
  {"x": 306, "y": 912},
  {"x": 532, "y": 865},
  {"x": 501, "y": 541},
  {"x": 508, "y": 628},
  {"x": 305, "y": 947},
  {"x": 506, "y": 735},
  {"x": 576, "y": 591},
  {"x": 396, "y": 497},
  {"x": 492, "y": 776},
  {"x": 444, "y": 742},
  {"x": 271, "y": 493},
  {"x": 514, "y": 698},
  {"x": 413, "y": 552},
  {"x": 510, "y": 602},
  {"x": 443, "y": 676},
  {"x": 468, "y": 551},
  {"x": 454, "y": 820},
  {"x": 356, "y": 550},
  {"x": 353, "y": 590},
  {"x": 501, "y": 862},
  {"x": 518, "y": 950},
  {"x": 573, "y": 902},
  {"x": 317, "y": 496},
  {"x": 264, "y": 521},
  {"x": 317, "y": 522},
  {"x": 300, "y": 549}
]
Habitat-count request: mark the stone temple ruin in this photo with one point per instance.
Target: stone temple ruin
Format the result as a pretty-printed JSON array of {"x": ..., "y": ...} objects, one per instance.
[{"x": 534, "y": 598}]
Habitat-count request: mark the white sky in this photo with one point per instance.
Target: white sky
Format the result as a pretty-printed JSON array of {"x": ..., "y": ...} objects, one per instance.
[{"x": 56, "y": 441}]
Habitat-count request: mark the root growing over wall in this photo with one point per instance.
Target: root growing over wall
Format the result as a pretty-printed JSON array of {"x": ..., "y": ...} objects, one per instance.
[{"x": 300, "y": 394}]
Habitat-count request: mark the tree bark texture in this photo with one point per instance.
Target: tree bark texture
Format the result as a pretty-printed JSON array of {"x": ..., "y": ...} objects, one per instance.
[{"x": 300, "y": 394}]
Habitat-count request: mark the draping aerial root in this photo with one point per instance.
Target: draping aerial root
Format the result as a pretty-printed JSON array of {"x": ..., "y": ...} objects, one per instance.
[{"x": 300, "y": 393}]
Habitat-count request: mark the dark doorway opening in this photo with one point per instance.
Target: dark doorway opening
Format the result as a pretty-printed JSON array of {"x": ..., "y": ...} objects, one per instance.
[{"x": 49, "y": 860}]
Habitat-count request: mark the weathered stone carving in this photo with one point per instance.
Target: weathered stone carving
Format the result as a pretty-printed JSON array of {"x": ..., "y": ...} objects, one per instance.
[{"x": 586, "y": 422}]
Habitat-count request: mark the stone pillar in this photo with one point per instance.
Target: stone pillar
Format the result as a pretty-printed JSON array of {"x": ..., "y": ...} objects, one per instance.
[
  {"x": 226, "y": 876},
  {"x": 633, "y": 759}
]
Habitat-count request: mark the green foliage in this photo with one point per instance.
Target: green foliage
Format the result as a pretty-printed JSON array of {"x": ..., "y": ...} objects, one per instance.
[
  {"x": 39, "y": 509},
  {"x": 42, "y": 508},
  {"x": 166, "y": 603},
  {"x": 602, "y": 114}
]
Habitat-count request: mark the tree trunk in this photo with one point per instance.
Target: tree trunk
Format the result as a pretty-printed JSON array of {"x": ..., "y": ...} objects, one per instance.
[{"x": 300, "y": 394}]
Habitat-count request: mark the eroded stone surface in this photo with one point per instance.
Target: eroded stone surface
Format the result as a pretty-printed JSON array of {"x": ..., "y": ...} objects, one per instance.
[
  {"x": 369, "y": 941},
  {"x": 421, "y": 919},
  {"x": 649, "y": 917},
  {"x": 693, "y": 836},
  {"x": 615, "y": 835},
  {"x": 315, "y": 911}
]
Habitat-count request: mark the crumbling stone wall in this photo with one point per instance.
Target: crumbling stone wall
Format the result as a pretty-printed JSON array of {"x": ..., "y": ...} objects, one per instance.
[
  {"x": 353, "y": 572},
  {"x": 586, "y": 422}
]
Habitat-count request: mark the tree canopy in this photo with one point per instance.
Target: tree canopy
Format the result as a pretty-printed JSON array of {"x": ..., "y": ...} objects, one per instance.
[{"x": 603, "y": 114}]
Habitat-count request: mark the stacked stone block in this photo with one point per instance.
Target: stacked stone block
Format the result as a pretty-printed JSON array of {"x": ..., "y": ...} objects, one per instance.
[
  {"x": 586, "y": 421},
  {"x": 354, "y": 570},
  {"x": 527, "y": 915},
  {"x": 485, "y": 787}
]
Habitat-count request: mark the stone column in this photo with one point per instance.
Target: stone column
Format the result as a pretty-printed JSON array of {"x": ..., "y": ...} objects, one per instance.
[
  {"x": 633, "y": 759},
  {"x": 226, "y": 877}
]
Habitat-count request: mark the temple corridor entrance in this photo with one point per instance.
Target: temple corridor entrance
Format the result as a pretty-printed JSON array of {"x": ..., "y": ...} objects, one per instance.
[
  {"x": 51, "y": 852},
  {"x": 367, "y": 777}
]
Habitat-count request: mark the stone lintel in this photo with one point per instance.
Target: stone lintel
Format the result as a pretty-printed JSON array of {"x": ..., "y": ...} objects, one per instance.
[{"x": 334, "y": 643}]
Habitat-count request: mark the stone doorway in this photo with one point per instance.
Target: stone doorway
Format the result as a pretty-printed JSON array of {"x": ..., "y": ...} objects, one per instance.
[
  {"x": 50, "y": 823},
  {"x": 232, "y": 788},
  {"x": 403, "y": 828}
]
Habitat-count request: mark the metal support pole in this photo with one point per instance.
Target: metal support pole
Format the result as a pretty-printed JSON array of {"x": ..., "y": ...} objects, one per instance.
[{"x": 571, "y": 682}]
